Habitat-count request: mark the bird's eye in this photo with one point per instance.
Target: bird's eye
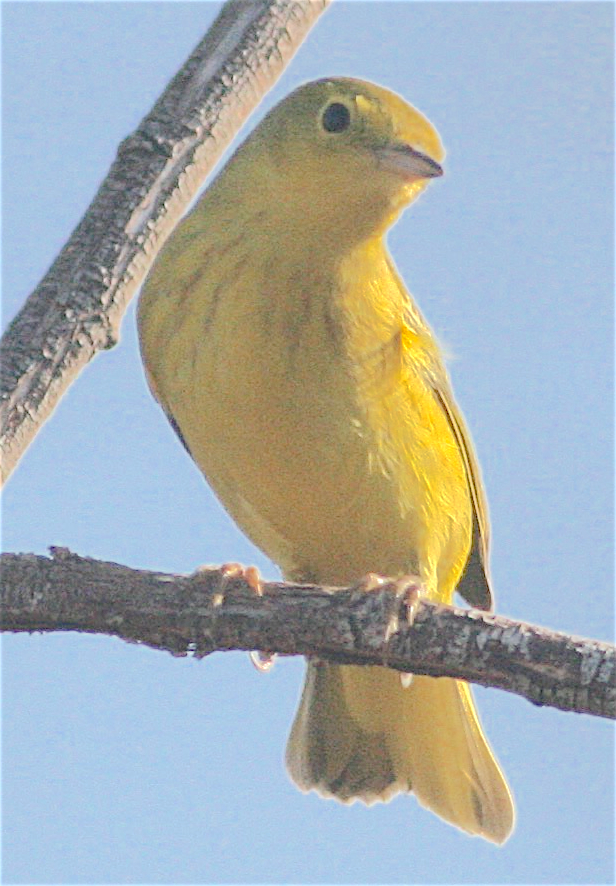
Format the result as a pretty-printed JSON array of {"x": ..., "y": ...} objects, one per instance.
[{"x": 336, "y": 117}]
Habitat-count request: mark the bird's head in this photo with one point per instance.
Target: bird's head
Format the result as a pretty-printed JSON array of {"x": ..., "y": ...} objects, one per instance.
[{"x": 348, "y": 155}]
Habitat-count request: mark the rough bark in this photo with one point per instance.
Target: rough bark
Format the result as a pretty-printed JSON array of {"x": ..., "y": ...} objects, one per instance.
[
  {"x": 206, "y": 612},
  {"x": 76, "y": 309}
]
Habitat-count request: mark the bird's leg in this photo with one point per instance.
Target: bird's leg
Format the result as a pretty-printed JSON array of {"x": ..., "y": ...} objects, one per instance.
[
  {"x": 262, "y": 661},
  {"x": 407, "y": 588}
]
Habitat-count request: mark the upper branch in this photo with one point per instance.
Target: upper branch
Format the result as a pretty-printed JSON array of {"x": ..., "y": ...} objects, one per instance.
[
  {"x": 76, "y": 309},
  {"x": 205, "y": 613}
]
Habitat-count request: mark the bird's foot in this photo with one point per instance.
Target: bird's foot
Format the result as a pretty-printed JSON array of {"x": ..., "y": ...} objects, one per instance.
[
  {"x": 407, "y": 588},
  {"x": 249, "y": 574},
  {"x": 262, "y": 661}
]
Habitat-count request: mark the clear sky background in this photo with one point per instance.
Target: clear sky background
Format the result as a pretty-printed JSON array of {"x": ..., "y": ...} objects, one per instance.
[{"x": 125, "y": 765}]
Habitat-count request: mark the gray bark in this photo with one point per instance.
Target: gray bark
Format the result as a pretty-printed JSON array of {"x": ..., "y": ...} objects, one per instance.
[
  {"x": 206, "y": 612},
  {"x": 76, "y": 309}
]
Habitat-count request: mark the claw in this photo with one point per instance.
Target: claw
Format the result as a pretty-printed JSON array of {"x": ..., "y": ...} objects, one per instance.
[
  {"x": 250, "y": 574},
  {"x": 409, "y": 589},
  {"x": 262, "y": 661}
]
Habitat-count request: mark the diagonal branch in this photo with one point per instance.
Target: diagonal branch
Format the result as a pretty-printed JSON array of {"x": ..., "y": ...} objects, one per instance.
[
  {"x": 205, "y": 613},
  {"x": 77, "y": 308}
]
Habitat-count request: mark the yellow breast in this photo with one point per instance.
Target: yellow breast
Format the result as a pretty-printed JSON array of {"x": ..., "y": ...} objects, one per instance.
[{"x": 302, "y": 394}]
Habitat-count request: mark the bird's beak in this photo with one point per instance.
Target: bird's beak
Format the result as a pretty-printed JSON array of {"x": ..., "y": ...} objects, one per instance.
[{"x": 408, "y": 162}]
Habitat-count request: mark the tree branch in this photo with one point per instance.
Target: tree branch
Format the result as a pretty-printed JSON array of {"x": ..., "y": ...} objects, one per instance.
[
  {"x": 205, "y": 613},
  {"x": 76, "y": 309}
]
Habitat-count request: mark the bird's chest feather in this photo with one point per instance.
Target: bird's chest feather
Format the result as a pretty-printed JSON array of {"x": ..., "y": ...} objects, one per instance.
[{"x": 313, "y": 424}]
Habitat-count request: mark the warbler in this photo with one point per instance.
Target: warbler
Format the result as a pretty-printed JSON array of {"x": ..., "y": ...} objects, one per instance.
[{"x": 288, "y": 355}]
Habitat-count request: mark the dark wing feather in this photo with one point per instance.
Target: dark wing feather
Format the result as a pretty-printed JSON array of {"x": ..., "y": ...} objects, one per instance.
[
  {"x": 474, "y": 585},
  {"x": 152, "y": 385}
]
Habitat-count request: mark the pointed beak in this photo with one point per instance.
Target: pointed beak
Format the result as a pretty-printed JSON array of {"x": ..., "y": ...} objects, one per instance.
[{"x": 408, "y": 162}]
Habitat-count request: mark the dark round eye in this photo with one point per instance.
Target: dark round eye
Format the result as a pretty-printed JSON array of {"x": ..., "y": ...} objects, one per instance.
[{"x": 336, "y": 117}]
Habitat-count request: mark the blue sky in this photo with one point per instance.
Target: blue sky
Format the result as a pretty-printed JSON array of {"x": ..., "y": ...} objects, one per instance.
[{"x": 124, "y": 765}]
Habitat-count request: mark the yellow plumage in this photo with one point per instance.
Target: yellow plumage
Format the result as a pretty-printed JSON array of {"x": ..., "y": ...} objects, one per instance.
[{"x": 286, "y": 351}]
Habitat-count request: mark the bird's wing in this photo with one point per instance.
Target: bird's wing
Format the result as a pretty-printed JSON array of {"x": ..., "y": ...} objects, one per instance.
[
  {"x": 474, "y": 584},
  {"x": 163, "y": 405}
]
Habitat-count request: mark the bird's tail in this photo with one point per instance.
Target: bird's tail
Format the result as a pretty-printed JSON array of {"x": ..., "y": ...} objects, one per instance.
[{"x": 360, "y": 734}]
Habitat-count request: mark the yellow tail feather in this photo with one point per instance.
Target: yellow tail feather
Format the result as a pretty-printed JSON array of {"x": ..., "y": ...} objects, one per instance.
[{"x": 359, "y": 734}]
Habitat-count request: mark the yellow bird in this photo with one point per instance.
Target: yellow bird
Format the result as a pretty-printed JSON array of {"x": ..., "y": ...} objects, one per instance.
[{"x": 288, "y": 355}]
